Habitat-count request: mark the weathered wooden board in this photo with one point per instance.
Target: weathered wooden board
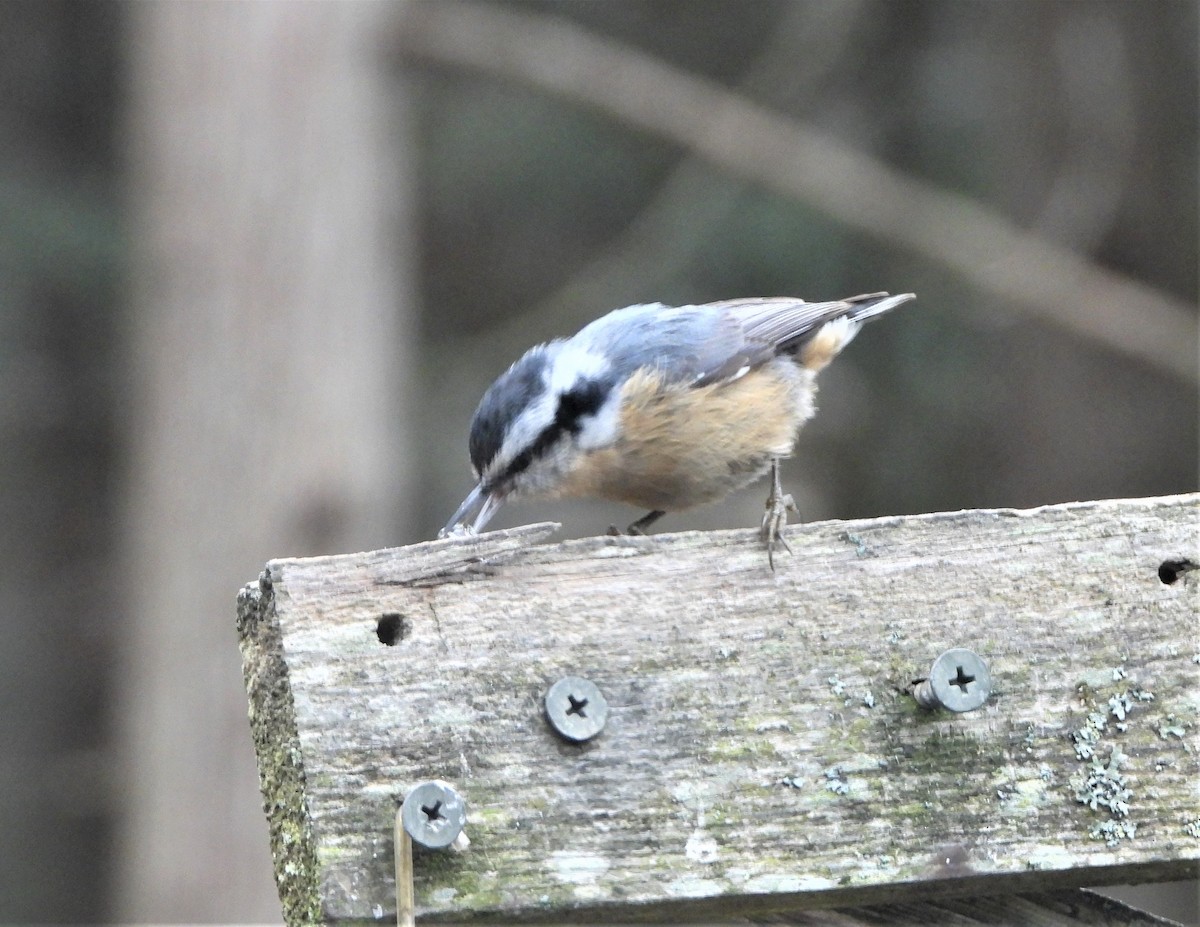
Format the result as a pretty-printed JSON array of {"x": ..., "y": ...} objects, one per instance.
[{"x": 761, "y": 749}]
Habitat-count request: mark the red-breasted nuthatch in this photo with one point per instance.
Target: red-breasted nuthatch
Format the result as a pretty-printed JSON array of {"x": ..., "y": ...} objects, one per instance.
[{"x": 660, "y": 407}]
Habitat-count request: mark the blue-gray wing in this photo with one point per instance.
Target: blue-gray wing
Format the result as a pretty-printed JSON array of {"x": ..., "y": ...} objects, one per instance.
[{"x": 718, "y": 341}]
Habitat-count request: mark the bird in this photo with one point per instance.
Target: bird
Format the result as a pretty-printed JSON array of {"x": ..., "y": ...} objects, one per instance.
[{"x": 661, "y": 407}]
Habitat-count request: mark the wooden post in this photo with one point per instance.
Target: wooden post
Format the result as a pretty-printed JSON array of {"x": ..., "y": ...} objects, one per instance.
[
  {"x": 762, "y": 748},
  {"x": 267, "y": 347}
]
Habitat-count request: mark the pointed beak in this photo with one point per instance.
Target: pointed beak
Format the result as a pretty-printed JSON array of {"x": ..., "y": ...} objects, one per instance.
[{"x": 474, "y": 513}]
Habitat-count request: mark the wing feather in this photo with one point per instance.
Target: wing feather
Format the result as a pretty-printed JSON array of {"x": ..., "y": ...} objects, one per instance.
[
  {"x": 787, "y": 323},
  {"x": 718, "y": 341}
]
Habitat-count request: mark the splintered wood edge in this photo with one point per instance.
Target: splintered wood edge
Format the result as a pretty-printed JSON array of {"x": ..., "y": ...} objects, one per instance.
[{"x": 277, "y": 741}]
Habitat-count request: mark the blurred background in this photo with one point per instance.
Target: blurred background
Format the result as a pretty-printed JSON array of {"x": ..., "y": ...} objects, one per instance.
[{"x": 259, "y": 261}]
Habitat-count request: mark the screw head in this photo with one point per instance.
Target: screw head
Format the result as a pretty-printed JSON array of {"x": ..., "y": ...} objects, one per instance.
[
  {"x": 960, "y": 680},
  {"x": 433, "y": 814},
  {"x": 576, "y": 709}
]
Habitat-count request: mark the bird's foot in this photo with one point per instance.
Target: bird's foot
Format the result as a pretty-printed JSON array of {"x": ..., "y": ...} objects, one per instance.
[
  {"x": 774, "y": 520},
  {"x": 638, "y": 528}
]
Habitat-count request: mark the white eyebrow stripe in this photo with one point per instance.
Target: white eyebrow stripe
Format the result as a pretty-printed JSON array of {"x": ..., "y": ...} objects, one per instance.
[{"x": 569, "y": 365}]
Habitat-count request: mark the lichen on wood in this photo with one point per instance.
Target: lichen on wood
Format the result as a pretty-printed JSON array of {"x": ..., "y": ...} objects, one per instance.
[{"x": 280, "y": 764}]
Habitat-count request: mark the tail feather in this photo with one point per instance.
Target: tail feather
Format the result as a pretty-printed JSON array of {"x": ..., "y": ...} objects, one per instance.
[
  {"x": 825, "y": 343},
  {"x": 789, "y": 323},
  {"x": 874, "y": 304}
]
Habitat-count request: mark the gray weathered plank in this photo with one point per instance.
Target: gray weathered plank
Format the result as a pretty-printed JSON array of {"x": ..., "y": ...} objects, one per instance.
[{"x": 761, "y": 749}]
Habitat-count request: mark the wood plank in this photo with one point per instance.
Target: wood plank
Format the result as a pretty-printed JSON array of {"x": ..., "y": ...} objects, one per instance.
[{"x": 762, "y": 749}]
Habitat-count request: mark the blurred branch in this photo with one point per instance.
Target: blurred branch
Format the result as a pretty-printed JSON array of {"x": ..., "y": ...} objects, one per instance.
[
  {"x": 677, "y": 219},
  {"x": 1038, "y": 276},
  {"x": 684, "y": 211}
]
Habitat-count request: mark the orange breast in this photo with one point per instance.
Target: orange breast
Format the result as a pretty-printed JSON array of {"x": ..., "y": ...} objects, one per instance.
[{"x": 680, "y": 447}]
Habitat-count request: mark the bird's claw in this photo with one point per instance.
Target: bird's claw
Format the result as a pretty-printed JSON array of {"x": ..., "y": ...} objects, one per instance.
[
  {"x": 773, "y": 523},
  {"x": 774, "y": 520}
]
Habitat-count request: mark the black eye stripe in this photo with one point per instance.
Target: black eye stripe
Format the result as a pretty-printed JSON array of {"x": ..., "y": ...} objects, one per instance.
[{"x": 584, "y": 398}]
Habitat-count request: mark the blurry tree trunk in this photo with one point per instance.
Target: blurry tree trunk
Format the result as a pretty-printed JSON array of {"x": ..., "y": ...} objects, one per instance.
[{"x": 271, "y": 271}]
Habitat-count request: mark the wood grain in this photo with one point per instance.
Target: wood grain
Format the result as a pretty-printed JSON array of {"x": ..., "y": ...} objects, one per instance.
[{"x": 762, "y": 750}]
